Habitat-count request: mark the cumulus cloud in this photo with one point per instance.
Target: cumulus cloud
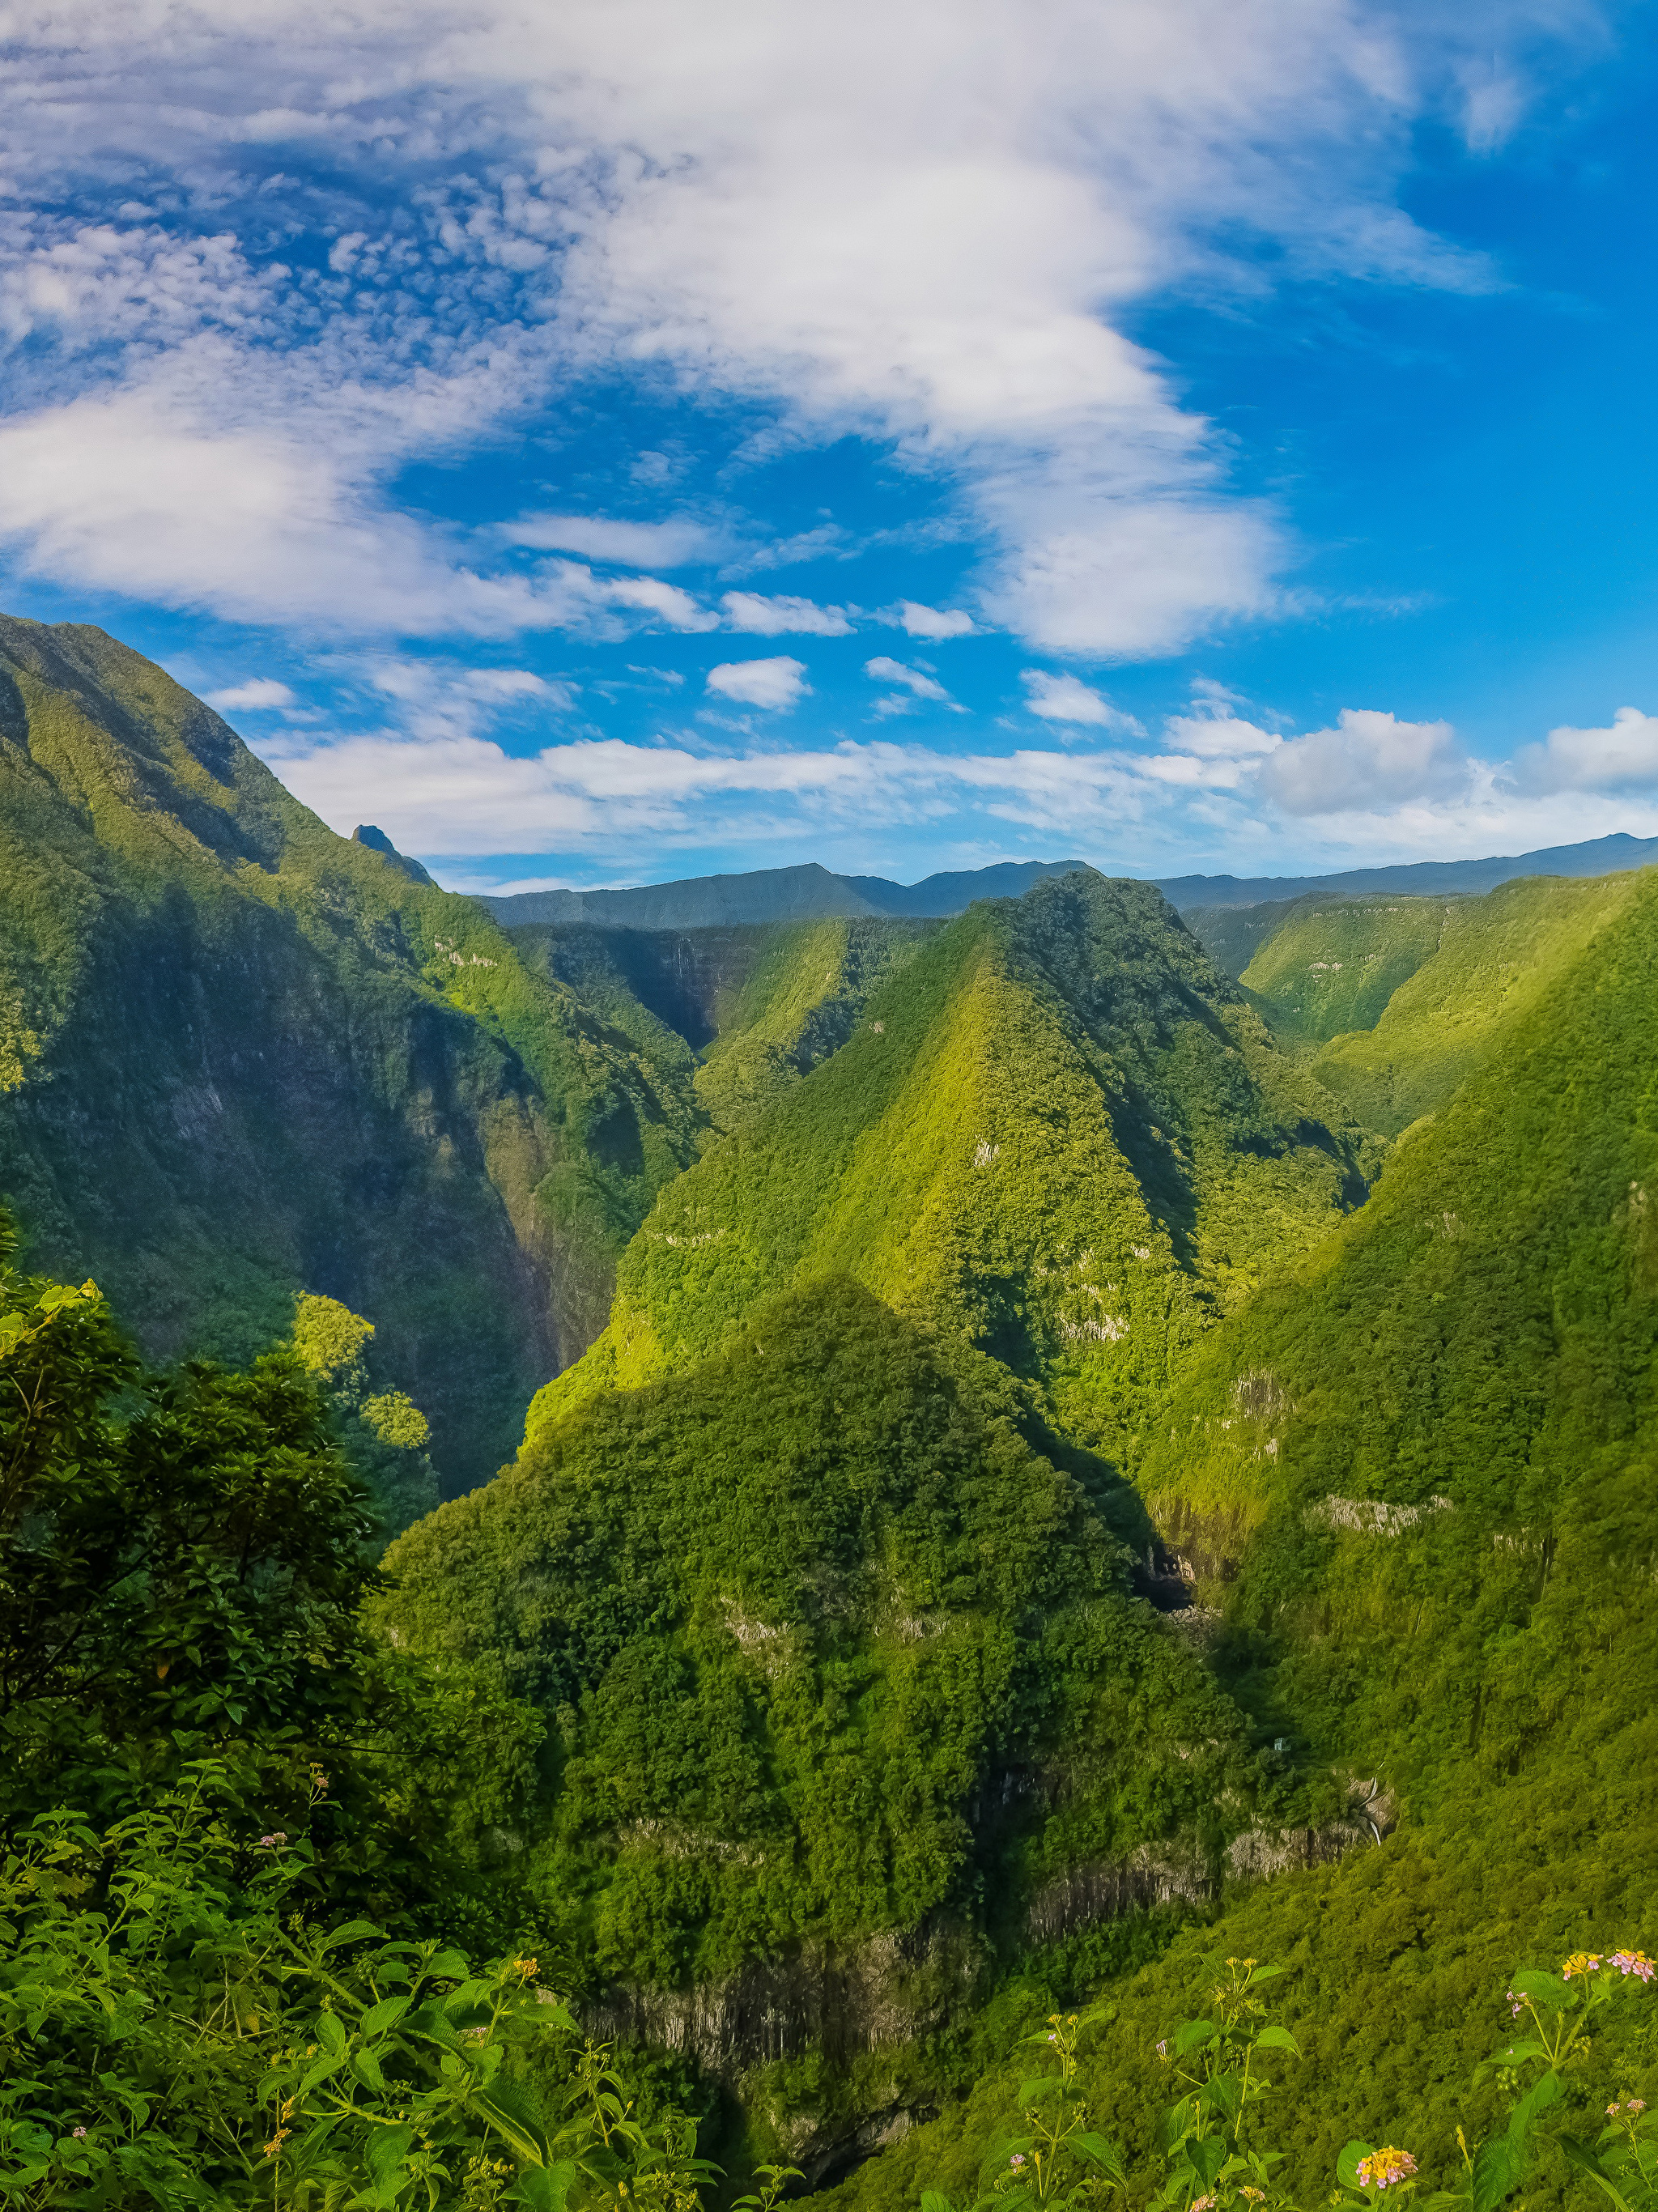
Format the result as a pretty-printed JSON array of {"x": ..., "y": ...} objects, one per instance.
[
  {"x": 672, "y": 544},
  {"x": 1368, "y": 762},
  {"x": 1056, "y": 698},
  {"x": 884, "y": 670},
  {"x": 1221, "y": 736},
  {"x": 257, "y": 695},
  {"x": 1622, "y": 758},
  {"x": 777, "y": 618},
  {"x": 777, "y": 683},
  {"x": 856, "y": 221},
  {"x": 930, "y": 621}
]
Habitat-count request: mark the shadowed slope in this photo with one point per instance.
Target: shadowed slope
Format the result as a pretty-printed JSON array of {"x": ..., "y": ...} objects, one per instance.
[{"x": 240, "y": 1057}]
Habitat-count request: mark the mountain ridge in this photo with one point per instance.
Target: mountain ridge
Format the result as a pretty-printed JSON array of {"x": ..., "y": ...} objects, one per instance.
[{"x": 812, "y": 892}]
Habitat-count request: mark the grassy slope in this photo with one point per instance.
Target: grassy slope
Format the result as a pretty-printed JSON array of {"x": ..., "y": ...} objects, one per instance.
[
  {"x": 240, "y": 1056},
  {"x": 1485, "y": 1332},
  {"x": 745, "y": 1011},
  {"x": 800, "y": 1001},
  {"x": 1333, "y": 965},
  {"x": 826, "y": 1649},
  {"x": 1055, "y": 1130},
  {"x": 1405, "y": 997}
]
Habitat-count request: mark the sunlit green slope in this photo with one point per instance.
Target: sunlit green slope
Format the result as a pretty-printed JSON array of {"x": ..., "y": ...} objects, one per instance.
[
  {"x": 825, "y": 1651},
  {"x": 742, "y": 1012},
  {"x": 1483, "y": 1334},
  {"x": 1416, "y": 1482},
  {"x": 241, "y": 1057},
  {"x": 1056, "y": 1131},
  {"x": 1399, "y": 999}
]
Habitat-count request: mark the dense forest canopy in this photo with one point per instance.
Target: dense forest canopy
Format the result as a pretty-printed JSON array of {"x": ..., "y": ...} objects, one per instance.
[{"x": 1056, "y": 1456}]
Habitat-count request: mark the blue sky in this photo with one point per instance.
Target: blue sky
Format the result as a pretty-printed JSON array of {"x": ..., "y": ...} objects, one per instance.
[{"x": 616, "y": 441}]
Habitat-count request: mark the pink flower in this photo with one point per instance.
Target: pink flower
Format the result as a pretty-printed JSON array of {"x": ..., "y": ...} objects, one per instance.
[
  {"x": 78, "y": 2133},
  {"x": 1384, "y": 2167},
  {"x": 1633, "y": 1962}
]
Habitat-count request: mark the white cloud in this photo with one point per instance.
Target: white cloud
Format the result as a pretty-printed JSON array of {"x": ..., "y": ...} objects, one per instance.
[
  {"x": 913, "y": 227},
  {"x": 1218, "y": 736},
  {"x": 1622, "y": 758},
  {"x": 1369, "y": 761},
  {"x": 671, "y": 544},
  {"x": 886, "y": 671},
  {"x": 777, "y": 618},
  {"x": 667, "y": 601},
  {"x": 258, "y": 693},
  {"x": 1056, "y": 698},
  {"x": 930, "y": 621},
  {"x": 776, "y": 684}
]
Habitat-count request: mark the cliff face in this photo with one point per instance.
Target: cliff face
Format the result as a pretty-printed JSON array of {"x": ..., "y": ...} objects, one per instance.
[{"x": 241, "y": 1057}]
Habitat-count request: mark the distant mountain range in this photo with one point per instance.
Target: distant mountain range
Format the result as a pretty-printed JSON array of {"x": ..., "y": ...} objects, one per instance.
[{"x": 812, "y": 893}]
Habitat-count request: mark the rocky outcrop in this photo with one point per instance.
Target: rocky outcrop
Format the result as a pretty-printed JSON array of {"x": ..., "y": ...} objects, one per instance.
[{"x": 838, "y": 1999}]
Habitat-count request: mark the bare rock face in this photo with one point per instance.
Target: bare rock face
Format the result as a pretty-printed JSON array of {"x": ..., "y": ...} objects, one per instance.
[{"x": 1106, "y": 1889}]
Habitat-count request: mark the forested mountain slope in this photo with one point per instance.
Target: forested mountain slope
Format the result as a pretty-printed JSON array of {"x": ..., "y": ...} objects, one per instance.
[
  {"x": 747, "y": 1011},
  {"x": 241, "y": 1057},
  {"x": 846, "y": 1702},
  {"x": 1396, "y": 1001},
  {"x": 1056, "y": 1130},
  {"x": 1414, "y": 1482}
]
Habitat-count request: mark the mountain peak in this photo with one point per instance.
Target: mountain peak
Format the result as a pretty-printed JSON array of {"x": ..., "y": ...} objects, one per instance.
[{"x": 377, "y": 841}]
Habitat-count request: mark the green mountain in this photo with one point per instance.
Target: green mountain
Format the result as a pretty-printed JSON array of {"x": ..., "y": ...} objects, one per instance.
[
  {"x": 1083, "y": 1442},
  {"x": 1396, "y": 1001},
  {"x": 1411, "y": 1484},
  {"x": 742, "y": 1012},
  {"x": 765, "y": 896},
  {"x": 242, "y": 1057},
  {"x": 844, "y": 1691},
  {"x": 1056, "y": 1131}
]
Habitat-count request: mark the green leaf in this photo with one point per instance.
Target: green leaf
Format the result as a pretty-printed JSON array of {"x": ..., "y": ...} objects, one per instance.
[
  {"x": 1104, "y": 2154},
  {"x": 933, "y": 2201},
  {"x": 513, "y": 2112},
  {"x": 1277, "y": 2039},
  {"x": 354, "y": 1931},
  {"x": 1191, "y": 2033},
  {"x": 367, "y": 2067},
  {"x": 1543, "y": 1988},
  {"x": 545, "y": 2188},
  {"x": 1586, "y": 2160},
  {"x": 1348, "y": 2164},
  {"x": 387, "y": 2149},
  {"x": 384, "y": 2015},
  {"x": 1497, "y": 2169},
  {"x": 331, "y": 2035}
]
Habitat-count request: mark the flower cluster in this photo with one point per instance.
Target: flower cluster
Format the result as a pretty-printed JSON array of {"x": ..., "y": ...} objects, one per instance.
[
  {"x": 1581, "y": 1962},
  {"x": 1203, "y": 2204},
  {"x": 1631, "y": 2109},
  {"x": 1017, "y": 2160},
  {"x": 272, "y": 1843},
  {"x": 1384, "y": 2168},
  {"x": 1513, "y": 2002},
  {"x": 1633, "y": 1962}
]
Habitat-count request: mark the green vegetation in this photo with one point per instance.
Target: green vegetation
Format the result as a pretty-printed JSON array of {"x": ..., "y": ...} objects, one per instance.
[
  {"x": 1056, "y": 1131},
  {"x": 795, "y": 1706},
  {"x": 1408, "y": 997},
  {"x": 789, "y": 1619},
  {"x": 242, "y": 1058}
]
